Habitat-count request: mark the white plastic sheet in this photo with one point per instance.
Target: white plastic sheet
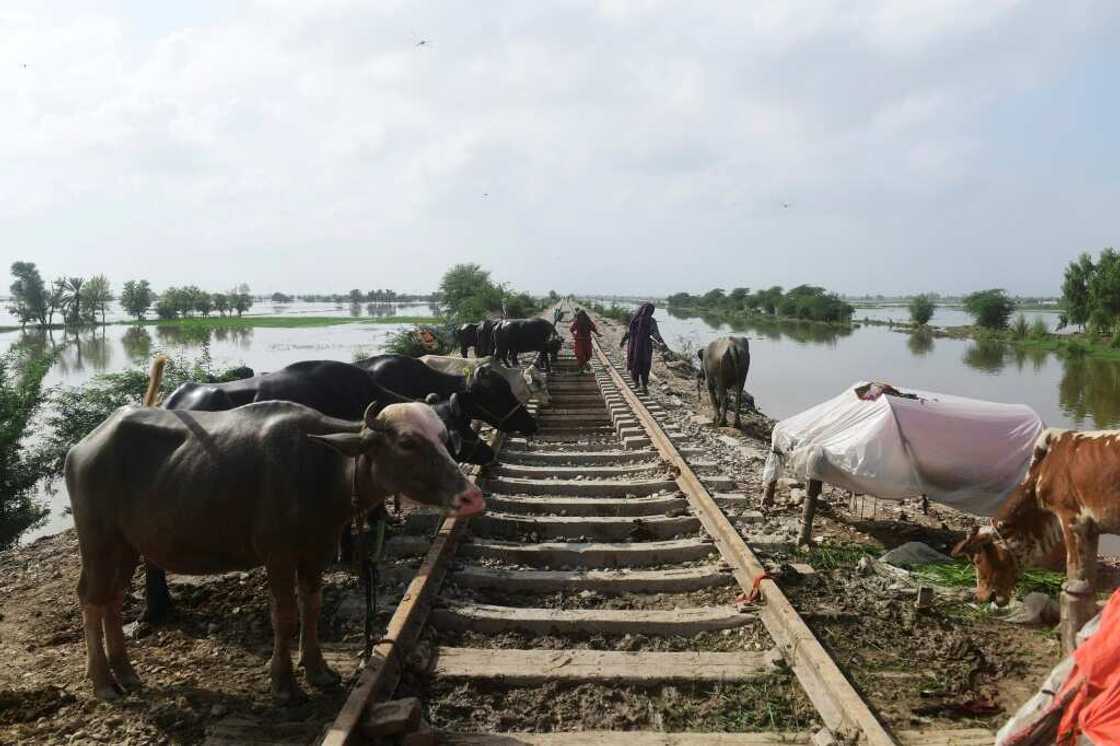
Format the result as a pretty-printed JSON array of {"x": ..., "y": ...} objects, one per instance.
[{"x": 966, "y": 453}]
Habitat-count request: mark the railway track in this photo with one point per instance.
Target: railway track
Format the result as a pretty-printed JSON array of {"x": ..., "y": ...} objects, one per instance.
[{"x": 603, "y": 576}]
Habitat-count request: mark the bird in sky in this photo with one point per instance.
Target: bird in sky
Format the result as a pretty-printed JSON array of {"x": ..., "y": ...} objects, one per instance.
[
  {"x": 423, "y": 43},
  {"x": 787, "y": 205}
]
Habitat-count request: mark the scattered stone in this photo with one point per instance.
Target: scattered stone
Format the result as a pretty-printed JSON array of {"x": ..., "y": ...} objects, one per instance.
[
  {"x": 912, "y": 554},
  {"x": 392, "y": 718},
  {"x": 1036, "y": 609}
]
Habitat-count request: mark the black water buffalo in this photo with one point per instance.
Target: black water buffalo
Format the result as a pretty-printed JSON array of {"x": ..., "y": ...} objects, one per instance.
[
  {"x": 335, "y": 389},
  {"x": 486, "y": 337},
  {"x": 467, "y": 337},
  {"x": 724, "y": 364},
  {"x": 483, "y": 395},
  {"x": 515, "y": 336},
  {"x": 271, "y": 483}
]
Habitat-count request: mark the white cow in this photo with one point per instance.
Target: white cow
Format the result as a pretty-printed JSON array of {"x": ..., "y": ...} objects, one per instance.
[{"x": 525, "y": 382}]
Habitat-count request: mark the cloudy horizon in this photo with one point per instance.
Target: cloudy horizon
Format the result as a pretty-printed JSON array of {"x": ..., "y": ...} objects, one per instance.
[{"x": 633, "y": 148}]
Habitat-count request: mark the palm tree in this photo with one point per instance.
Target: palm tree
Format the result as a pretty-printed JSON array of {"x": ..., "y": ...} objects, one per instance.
[{"x": 73, "y": 298}]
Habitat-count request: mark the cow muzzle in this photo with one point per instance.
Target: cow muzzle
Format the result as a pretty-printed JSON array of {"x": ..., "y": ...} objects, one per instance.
[{"x": 468, "y": 503}]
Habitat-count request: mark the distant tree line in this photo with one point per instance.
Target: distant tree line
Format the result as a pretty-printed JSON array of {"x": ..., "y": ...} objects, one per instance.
[
  {"x": 805, "y": 302},
  {"x": 177, "y": 303},
  {"x": 356, "y": 296}
]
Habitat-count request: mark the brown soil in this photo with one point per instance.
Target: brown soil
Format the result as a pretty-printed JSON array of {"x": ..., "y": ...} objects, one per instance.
[{"x": 208, "y": 664}]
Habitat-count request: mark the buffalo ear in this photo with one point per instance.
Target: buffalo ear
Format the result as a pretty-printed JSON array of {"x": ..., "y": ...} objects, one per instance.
[
  {"x": 700, "y": 354},
  {"x": 431, "y": 399},
  {"x": 972, "y": 543},
  {"x": 348, "y": 444},
  {"x": 456, "y": 406}
]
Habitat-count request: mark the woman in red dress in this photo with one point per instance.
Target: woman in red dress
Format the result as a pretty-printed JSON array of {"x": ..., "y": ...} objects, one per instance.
[{"x": 582, "y": 328}]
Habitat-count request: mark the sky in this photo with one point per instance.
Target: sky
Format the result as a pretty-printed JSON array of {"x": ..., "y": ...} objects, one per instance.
[{"x": 636, "y": 147}]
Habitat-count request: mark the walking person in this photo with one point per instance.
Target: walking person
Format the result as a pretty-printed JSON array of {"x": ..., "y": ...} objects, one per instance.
[
  {"x": 642, "y": 334},
  {"x": 582, "y": 328}
]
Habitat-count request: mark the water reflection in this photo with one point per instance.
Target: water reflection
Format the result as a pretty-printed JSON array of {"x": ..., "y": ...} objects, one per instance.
[
  {"x": 805, "y": 332},
  {"x": 986, "y": 355},
  {"x": 355, "y": 310},
  {"x": 137, "y": 344},
  {"x": 1035, "y": 356},
  {"x": 920, "y": 342},
  {"x": 1088, "y": 391}
]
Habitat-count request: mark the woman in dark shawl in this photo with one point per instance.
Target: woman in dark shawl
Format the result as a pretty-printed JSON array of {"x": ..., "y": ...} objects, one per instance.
[
  {"x": 641, "y": 336},
  {"x": 582, "y": 327}
]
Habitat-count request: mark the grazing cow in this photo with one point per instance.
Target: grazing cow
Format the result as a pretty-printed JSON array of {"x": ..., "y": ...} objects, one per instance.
[
  {"x": 1070, "y": 495},
  {"x": 524, "y": 382},
  {"x": 515, "y": 336},
  {"x": 336, "y": 389},
  {"x": 483, "y": 395},
  {"x": 724, "y": 364},
  {"x": 467, "y": 337},
  {"x": 270, "y": 483}
]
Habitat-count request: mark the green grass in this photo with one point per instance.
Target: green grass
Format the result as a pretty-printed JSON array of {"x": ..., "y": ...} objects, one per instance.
[
  {"x": 833, "y": 556},
  {"x": 280, "y": 322},
  {"x": 963, "y": 575}
]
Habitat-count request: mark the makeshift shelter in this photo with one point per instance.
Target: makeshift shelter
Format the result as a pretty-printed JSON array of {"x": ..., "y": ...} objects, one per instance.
[{"x": 877, "y": 440}]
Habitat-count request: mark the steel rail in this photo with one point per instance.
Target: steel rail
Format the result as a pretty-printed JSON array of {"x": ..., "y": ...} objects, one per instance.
[{"x": 841, "y": 707}]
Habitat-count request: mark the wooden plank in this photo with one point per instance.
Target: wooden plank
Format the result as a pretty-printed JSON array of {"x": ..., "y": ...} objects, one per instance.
[
  {"x": 381, "y": 673},
  {"x": 530, "y": 667},
  {"x": 588, "y": 554},
  {"x": 614, "y": 455},
  {"x": 587, "y": 506},
  {"x": 840, "y": 706},
  {"x": 523, "y": 471},
  {"x": 586, "y": 487},
  {"x": 594, "y": 528},
  {"x": 964, "y": 737},
  {"x": 671, "y": 580},
  {"x": 490, "y": 619}
]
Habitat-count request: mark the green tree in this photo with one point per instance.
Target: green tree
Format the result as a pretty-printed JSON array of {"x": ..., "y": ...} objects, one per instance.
[
  {"x": 136, "y": 298},
  {"x": 990, "y": 308},
  {"x": 29, "y": 294},
  {"x": 221, "y": 303},
  {"x": 921, "y": 309},
  {"x": 1104, "y": 292},
  {"x": 356, "y": 296},
  {"x": 203, "y": 302},
  {"x": 770, "y": 298},
  {"x": 713, "y": 298},
  {"x": 680, "y": 300},
  {"x": 240, "y": 299},
  {"x": 72, "y": 299},
  {"x": 738, "y": 297},
  {"x": 468, "y": 294},
  {"x": 97, "y": 294},
  {"x": 21, "y": 395},
  {"x": 1076, "y": 306},
  {"x": 56, "y": 300}
]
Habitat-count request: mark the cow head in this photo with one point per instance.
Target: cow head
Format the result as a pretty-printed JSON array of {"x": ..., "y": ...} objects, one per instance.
[
  {"x": 490, "y": 399},
  {"x": 537, "y": 381},
  {"x": 403, "y": 449},
  {"x": 465, "y": 446},
  {"x": 997, "y": 569}
]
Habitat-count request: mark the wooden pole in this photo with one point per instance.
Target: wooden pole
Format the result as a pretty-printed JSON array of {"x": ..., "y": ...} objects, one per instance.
[
  {"x": 768, "y": 496},
  {"x": 808, "y": 510}
]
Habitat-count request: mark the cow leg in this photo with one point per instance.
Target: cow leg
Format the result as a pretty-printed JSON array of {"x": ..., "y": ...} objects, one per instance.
[
  {"x": 281, "y": 581},
  {"x": 157, "y": 598},
  {"x": 97, "y": 665},
  {"x": 808, "y": 511},
  {"x": 739, "y": 406},
  {"x": 113, "y": 623},
  {"x": 724, "y": 405},
  {"x": 310, "y": 601},
  {"x": 715, "y": 403},
  {"x": 1078, "y": 597}
]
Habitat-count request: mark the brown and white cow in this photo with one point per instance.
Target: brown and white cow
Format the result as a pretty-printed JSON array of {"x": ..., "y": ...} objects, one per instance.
[
  {"x": 270, "y": 483},
  {"x": 1070, "y": 495}
]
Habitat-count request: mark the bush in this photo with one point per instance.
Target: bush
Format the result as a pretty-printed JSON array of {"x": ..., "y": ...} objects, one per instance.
[
  {"x": 990, "y": 308},
  {"x": 1039, "y": 329},
  {"x": 921, "y": 309},
  {"x": 1075, "y": 348},
  {"x": 420, "y": 340},
  {"x": 21, "y": 396},
  {"x": 1020, "y": 329}
]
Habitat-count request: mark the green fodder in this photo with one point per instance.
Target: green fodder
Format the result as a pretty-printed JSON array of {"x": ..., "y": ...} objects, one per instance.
[
  {"x": 420, "y": 340},
  {"x": 962, "y": 574},
  {"x": 836, "y": 556}
]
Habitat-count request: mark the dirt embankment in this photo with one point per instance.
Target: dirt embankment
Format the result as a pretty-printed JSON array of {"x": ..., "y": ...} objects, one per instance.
[{"x": 955, "y": 665}]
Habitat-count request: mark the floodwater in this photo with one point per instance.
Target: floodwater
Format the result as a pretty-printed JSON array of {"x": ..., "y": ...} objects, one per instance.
[
  {"x": 115, "y": 348},
  {"x": 796, "y": 365}
]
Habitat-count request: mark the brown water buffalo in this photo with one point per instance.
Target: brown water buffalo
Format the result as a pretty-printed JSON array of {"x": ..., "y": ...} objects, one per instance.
[
  {"x": 723, "y": 365},
  {"x": 270, "y": 483}
]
